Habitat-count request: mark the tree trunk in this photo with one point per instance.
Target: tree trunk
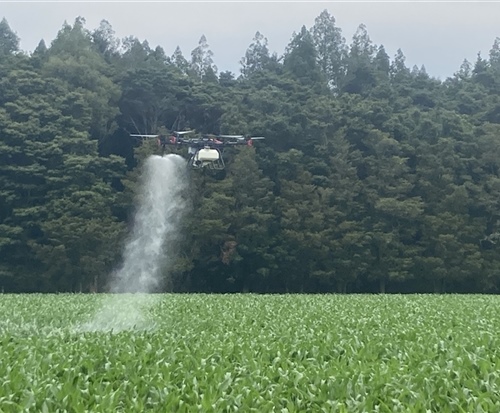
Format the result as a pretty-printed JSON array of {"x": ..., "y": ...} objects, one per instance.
[
  {"x": 94, "y": 287},
  {"x": 342, "y": 287},
  {"x": 438, "y": 286},
  {"x": 382, "y": 286}
]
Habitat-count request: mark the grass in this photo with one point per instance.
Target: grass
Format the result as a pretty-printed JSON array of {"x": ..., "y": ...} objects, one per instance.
[{"x": 228, "y": 353}]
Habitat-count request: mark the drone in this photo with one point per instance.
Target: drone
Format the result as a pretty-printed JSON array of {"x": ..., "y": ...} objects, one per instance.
[{"x": 204, "y": 151}]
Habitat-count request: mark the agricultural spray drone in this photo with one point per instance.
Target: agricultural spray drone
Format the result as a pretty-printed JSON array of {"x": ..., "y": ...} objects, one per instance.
[{"x": 205, "y": 151}]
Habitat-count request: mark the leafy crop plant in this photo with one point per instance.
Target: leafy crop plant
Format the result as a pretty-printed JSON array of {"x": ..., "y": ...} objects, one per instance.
[{"x": 253, "y": 353}]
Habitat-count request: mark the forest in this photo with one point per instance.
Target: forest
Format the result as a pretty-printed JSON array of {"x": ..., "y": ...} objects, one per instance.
[{"x": 374, "y": 177}]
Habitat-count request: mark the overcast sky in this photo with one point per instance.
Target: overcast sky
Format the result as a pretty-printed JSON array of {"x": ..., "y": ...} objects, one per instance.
[{"x": 439, "y": 35}]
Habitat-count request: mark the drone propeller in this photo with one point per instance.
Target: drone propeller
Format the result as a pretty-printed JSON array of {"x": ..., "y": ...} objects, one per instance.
[
  {"x": 231, "y": 136},
  {"x": 241, "y": 137},
  {"x": 183, "y": 132},
  {"x": 145, "y": 136}
]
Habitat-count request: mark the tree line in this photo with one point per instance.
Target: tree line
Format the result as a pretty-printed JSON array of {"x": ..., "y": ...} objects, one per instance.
[{"x": 374, "y": 177}]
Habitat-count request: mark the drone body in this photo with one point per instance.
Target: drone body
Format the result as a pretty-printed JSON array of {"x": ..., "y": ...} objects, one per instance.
[{"x": 203, "y": 152}]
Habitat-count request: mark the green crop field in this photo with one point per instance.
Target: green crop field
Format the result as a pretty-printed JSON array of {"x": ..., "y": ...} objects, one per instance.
[{"x": 228, "y": 353}]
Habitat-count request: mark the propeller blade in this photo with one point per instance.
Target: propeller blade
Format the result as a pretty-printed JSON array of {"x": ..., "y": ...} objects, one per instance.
[
  {"x": 231, "y": 136},
  {"x": 255, "y": 138},
  {"x": 184, "y": 132},
  {"x": 145, "y": 136}
]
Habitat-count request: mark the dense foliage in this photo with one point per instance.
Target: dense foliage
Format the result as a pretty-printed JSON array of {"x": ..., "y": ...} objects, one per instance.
[
  {"x": 373, "y": 176},
  {"x": 255, "y": 353}
]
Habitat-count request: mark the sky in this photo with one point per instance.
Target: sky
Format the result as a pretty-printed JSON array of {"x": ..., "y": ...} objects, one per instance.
[{"x": 438, "y": 35}]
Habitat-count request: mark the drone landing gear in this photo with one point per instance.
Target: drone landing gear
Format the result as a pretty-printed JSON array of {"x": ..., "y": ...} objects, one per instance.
[{"x": 217, "y": 165}]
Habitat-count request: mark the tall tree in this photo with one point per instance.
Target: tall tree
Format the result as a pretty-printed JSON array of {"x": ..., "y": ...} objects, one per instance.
[
  {"x": 301, "y": 60},
  {"x": 151, "y": 98},
  {"x": 73, "y": 59},
  {"x": 105, "y": 41},
  {"x": 202, "y": 64},
  {"x": 331, "y": 48},
  {"x": 179, "y": 61},
  {"x": 248, "y": 247},
  {"x": 9, "y": 41},
  {"x": 257, "y": 56},
  {"x": 360, "y": 74}
]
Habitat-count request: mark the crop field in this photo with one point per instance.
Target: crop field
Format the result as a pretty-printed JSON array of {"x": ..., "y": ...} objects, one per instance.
[{"x": 229, "y": 353}]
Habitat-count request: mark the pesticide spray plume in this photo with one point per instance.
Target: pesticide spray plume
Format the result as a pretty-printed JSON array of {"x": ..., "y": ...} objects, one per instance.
[{"x": 161, "y": 206}]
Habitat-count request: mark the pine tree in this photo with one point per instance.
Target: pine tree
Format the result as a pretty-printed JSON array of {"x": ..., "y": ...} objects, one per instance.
[
  {"x": 9, "y": 41},
  {"x": 331, "y": 49}
]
